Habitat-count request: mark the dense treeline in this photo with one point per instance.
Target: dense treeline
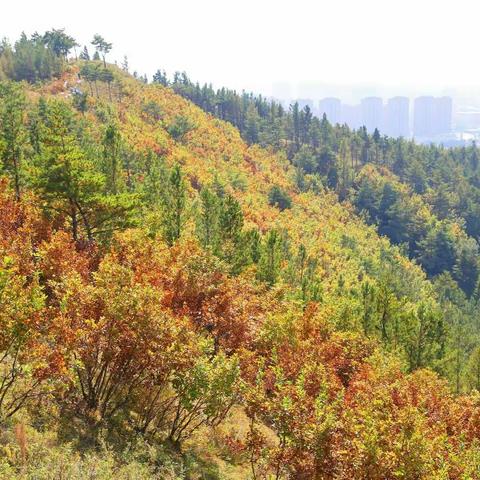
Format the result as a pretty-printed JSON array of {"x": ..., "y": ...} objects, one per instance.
[
  {"x": 177, "y": 304},
  {"x": 37, "y": 58},
  {"x": 441, "y": 190}
]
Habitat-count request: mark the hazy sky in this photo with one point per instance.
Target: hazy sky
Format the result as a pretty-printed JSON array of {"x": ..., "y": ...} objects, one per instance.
[{"x": 254, "y": 43}]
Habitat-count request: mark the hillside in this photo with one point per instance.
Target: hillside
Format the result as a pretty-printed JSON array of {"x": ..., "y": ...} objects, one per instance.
[
  {"x": 175, "y": 306},
  {"x": 348, "y": 255}
]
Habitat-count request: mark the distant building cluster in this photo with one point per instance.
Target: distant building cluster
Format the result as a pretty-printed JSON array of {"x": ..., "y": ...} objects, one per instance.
[{"x": 432, "y": 116}]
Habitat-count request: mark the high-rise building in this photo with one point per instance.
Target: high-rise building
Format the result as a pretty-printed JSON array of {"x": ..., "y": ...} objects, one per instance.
[
  {"x": 432, "y": 116},
  {"x": 351, "y": 115},
  {"x": 424, "y": 117},
  {"x": 396, "y": 119},
  {"x": 443, "y": 115},
  {"x": 332, "y": 108},
  {"x": 372, "y": 113}
]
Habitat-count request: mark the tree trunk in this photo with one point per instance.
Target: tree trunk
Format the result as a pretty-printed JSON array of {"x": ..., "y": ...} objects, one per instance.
[
  {"x": 86, "y": 223},
  {"x": 73, "y": 215},
  {"x": 17, "y": 178}
]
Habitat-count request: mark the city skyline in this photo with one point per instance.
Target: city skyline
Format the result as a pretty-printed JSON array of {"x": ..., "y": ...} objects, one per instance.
[{"x": 424, "y": 117}]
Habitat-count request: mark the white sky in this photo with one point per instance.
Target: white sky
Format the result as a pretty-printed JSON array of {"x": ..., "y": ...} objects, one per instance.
[{"x": 253, "y": 43}]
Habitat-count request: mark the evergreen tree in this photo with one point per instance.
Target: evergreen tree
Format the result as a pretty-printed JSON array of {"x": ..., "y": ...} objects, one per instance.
[
  {"x": 80, "y": 101},
  {"x": 101, "y": 47},
  {"x": 111, "y": 157},
  {"x": 252, "y": 127},
  {"x": 277, "y": 197},
  {"x": 59, "y": 42},
  {"x": 67, "y": 181},
  {"x": 13, "y": 134},
  {"x": 474, "y": 158},
  {"x": 270, "y": 258},
  {"x": 160, "y": 77},
  {"x": 125, "y": 64},
  {"x": 70, "y": 184},
  {"x": 174, "y": 200},
  {"x": 84, "y": 55},
  {"x": 466, "y": 268},
  {"x": 90, "y": 73},
  {"x": 106, "y": 76},
  {"x": 209, "y": 219},
  {"x": 232, "y": 240},
  {"x": 438, "y": 250}
]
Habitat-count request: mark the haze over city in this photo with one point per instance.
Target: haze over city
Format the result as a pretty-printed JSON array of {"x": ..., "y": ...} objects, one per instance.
[{"x": 302, "y": 51}]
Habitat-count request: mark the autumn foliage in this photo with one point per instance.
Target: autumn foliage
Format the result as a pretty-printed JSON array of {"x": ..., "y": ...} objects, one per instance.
[{"x": 161, "y": 291}]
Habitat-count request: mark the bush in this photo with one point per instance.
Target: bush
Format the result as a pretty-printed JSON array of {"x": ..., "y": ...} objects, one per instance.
[
  {"x": 277, "y": 197},
  {"x": 180, "y": 127}
]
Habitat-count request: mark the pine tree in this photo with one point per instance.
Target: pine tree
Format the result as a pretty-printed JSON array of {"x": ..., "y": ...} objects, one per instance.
[
  {"x": 345, "y": 169},
  {"x": 84, "y": 55},
  {"x": 209, "y": 220},
  {"x": 252, "y": 127},
  {"x": 125, "y": 64},
  {"x": 111, "y": 157},
  {"x": 13, "y": 134},
  {"x": 106, "y": 76},
  {"x": 174, "y": 201},
  {"x": 66, "y": 180},
  {"x": 232, "y": 248},
  {"x": 270, "y": 259},
  {"x": 474, "y": 160},
  {"x": 160, "y": 77},
  {"x": 59, "y": 42},
  {"x": 70, "y": 184},
  {"x": 102, "y": 47},
  {"x": 277, "y": 197}
]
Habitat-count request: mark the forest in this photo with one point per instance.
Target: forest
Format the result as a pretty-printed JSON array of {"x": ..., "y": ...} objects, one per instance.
[{"x": 202, "y": 284}]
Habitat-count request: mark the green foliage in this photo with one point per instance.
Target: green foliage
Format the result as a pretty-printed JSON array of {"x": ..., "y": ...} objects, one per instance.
[
  {"x": 59, "y": 42},
  {"x": 180, "y": 127},
  {"x": 206, "y": 394},
  {"x": 21, "y": 303},
  {"x": 101, "y": 47},
  {"x": 220, "y": 229},
  {"x": 13, "y": 135},
  {"x": 270, "y": 258},
  {"x": 84, "y": 55},
  {"x": 279, "y": 198},
  {"x": 209, "y": 220},
  {"x": 173, "y": 203},
  {"x": 111, "y": 157},
  {"x": 70, "y": 183},
  {"x": 152, "y": 111},
  {"x": 80, "y": 101},
  {"x": 35, "y": 59}
]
